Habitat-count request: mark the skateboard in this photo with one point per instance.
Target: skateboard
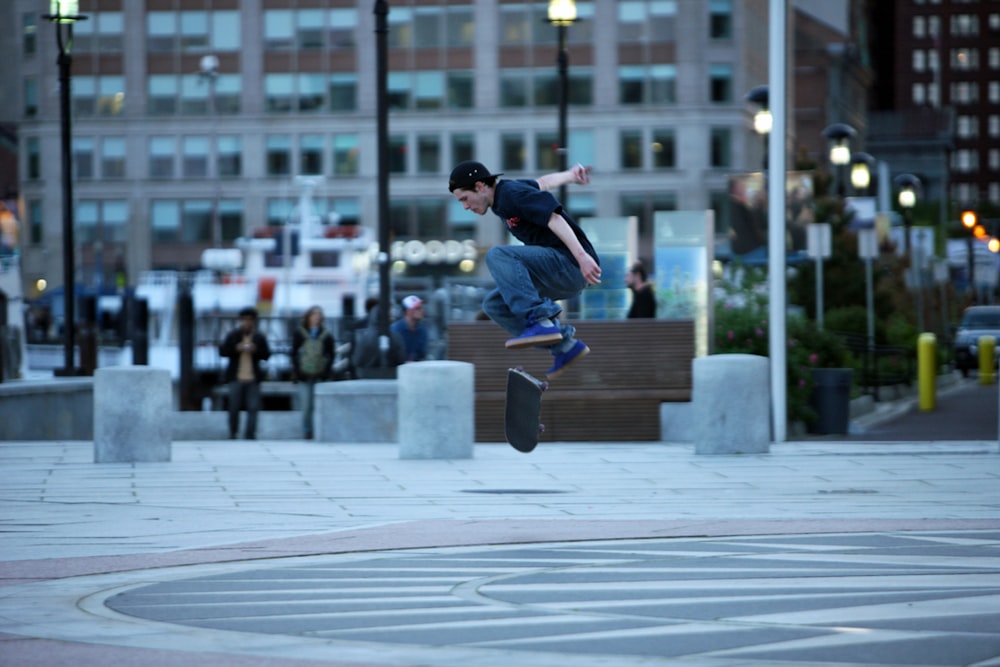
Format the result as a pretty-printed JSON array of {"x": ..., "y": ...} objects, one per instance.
[{"x": 523, "y": 409}]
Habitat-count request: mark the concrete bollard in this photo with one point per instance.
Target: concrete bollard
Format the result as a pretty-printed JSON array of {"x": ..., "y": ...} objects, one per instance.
[
  {"x": 731, "y": 404},
  {"x": 133, "y": 406},
  {"x": 436, "y": 410},
  {"x": 356, "y": 411}
]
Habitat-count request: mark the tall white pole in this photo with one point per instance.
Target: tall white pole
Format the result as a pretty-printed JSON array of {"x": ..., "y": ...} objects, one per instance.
[{"x": 777, "y": 14}]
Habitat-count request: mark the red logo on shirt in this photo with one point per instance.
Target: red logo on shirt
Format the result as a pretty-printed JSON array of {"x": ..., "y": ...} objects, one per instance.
[{"x": 512, "y": 222}]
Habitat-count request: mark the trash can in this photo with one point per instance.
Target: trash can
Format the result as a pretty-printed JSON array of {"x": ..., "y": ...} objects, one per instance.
[{"x": 831, "y": 399}]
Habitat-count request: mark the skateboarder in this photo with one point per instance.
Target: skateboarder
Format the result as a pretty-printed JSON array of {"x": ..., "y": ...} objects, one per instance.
[{"x": 557, "y": 261}]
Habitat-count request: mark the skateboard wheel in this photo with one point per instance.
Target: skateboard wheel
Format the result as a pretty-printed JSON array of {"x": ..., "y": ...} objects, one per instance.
[
  {"x": 544, "y": 386},
  {"x": 519, "y": 369},
  {"x": 541, "y": 428}
]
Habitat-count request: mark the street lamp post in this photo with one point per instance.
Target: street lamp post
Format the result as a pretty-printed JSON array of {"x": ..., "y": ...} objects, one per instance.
[
  {"x": 208, "y": 71},
  {"x": 562, "y": 14},
  {"x": 63, "y": 14},
  {"x": 762, "y": 120},
  {"x": 839, "y": 136},
  {"x": 382, "y": 141}
]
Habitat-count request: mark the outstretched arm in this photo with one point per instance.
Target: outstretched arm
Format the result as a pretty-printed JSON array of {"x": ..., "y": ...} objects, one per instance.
[
  {"x": 577, "y": 174},
  {"x": 590, "y": 269}
]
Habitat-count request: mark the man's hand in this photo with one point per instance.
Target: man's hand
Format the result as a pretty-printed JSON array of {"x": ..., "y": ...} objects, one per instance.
[{"x": 580, "y": 174}]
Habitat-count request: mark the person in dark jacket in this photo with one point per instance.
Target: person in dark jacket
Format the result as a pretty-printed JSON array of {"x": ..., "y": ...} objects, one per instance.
[
  {"x": 313, "y": 351},
  {"x": 246, "y": 348},
  {"x": 643, "y": 298}
]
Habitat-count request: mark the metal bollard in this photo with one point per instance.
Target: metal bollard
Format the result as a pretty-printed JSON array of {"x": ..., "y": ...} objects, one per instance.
[
  {"x": 927, "y": 370},
  {"x": 987, "y": 357}
]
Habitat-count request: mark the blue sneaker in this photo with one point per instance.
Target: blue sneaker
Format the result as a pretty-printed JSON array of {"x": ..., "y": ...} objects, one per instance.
[
  {"x": 564, "y": 360},
  {"x": 536, "y": 334}
]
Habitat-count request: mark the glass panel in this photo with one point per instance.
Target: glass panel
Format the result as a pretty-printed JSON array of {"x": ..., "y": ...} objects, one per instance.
[
  {"x": 397, "y": 154},
  {"x": 311, "y": 92},
  {"x": 279, "y": 31},
  {"x": 345, "y": 154},
  {"x": 83, "y": 158},
  {"x": 230, "y": 151},
  {"x": 194, "y": 32},
  {"x": 341, "y": 30},
  {"x": 630, "y": 85},
  {"x": 631, "y": 149},
  {"x": 111, "y": 95},
  {"x": 114, "y": 224},
  {"x": 279, "y": 156},
  {"x": 165, "y": 218},
  {"x": 512, "y": 151},
  {"x": 226, "y": 31},
  {"x": 428, "y": 153},
  {"x": 85, "y": 222},
  {"x": 231, "y": 218},
  {"x": 431, "y": 218},
  {"x": 309, "y": 29},
  {"x": 343, "y": 92},
  {"x": 161, "y": 157},
  {"x": 514, "y": 89},
  {"x": 461, "y": 90},
  {"x": 195, "y": 157},
  {"x": 196, "y": 220},
  {"x": 463, "y": 147},
  {"x": 429, "y": 91},
  {"x": 161, "y": 32},
  {"x": 311, "y": 154},
  {"x": 113, "y": 157},
  {"x": 460, "y": 27},
  {"x": 427, "y": 27},
  {"x": 279, "y": 92},
  {"x": 547, "y": 151},
  {"x": 663, "y": 149},
  {"x": 398, "y": 93}
]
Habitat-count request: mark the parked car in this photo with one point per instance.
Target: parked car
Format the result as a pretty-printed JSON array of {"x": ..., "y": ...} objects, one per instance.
[{"x": 976, "y": 321}]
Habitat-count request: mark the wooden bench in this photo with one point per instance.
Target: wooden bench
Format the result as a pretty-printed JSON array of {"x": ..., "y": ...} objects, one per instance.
[{"x": 614, "y": 394}]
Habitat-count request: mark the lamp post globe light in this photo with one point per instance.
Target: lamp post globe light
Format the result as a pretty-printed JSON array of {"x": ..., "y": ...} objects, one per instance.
[
  {"x": 908, "y": 185},
  {"x": 839, "y": 136},
  {"x": 861, "y": 171},
  {"x": 762, "y": 119},
  {"x": 63, "y": 14},
  {"x": 562, "y": 14}
]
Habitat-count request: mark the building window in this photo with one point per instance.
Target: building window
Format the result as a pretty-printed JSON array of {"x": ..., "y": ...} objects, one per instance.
[
  {"x": 965, "y": 92},
  {"x": 311, "y": 154},
  {"x": 919, "y": 26},
  {"x": 993, "y": 125},
  {"x": 83, "y": 158},
  {"x": 428, "y": 154},
  {"x": 343, "y": 92},
  {"x": 165, "y": 219},
  {"x": 643, "y": 205},
  {"x": 311, "y": 92},
  {"x": 103, "y": 33},
  {"x": 647, "y": 21},
  {"x": 919, "y": 59},
  {"x": 196, "y": 220},
  {"x": 720, "y": 147},
  {"x": 964, "y": 25},
  {"x": 33, "y": 166},
  {"x": 965, "y": 160},
  {"x": 194, "y": 157},
  {"x": 161, "y": 157},
  {"x": 965, "y": 59},
  {"x": 463, "y": 147},
  {"x": 664, "y": 150},
  {"x": 29, "y": 34},
  {"x": 918, "y": 94},
  {"x": 720, "y": 83},
  {"x": 513, "y": 152},
  {"x": 720, "y": 19},
  {"x": 397, "y": 154},
  {"x": 279, "y": 155},
  {"x": 279, "y": 92},
  {"x": 98, "y": 95},
  {"x": 113, "y": 157},
  {"x": 547, "y": 151},
  {"x": 101, "y": 220},
  {"x": 162, "y": 92},
  {"x": 631, "y": 149},
  {"x": 993, "y": 92},
  {"x": 430, "y": 90},
  {"x": 967, "y": 127},
  {"x": 30, "y": 97},
  {"x": 229, "y": 152},
  {"x": 279, "y": 31},
  {"x": 345, "y": 154},
  {"x": 647, "y": 85},
  {"x": 230, "y": 214},
  {"x": 193, "y": 31},
  {"x": 36, "y": 226}
]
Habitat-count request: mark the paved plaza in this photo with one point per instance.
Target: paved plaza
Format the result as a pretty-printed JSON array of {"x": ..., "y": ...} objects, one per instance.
[{"x": 824, "y": 551}]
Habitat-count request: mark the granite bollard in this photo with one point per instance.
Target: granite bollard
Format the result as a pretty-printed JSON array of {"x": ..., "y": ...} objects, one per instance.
[
  {"x": 356, "y": 411},
  {"x": 731, "y": 404},
  {"x": 436, "y": 410},
  {"x": 133, "y": 406}
]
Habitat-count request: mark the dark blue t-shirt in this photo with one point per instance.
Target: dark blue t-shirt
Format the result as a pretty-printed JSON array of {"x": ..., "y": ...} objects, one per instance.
[{"x": 526, "y": 210}]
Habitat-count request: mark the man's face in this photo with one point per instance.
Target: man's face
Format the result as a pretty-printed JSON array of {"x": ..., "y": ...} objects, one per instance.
[
  {"x": 248, "y": 323},
  {"x": 477, "y": 200}
]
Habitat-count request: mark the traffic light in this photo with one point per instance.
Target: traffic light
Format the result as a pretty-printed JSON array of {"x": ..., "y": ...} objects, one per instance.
[{"x": 969, "y": 219}]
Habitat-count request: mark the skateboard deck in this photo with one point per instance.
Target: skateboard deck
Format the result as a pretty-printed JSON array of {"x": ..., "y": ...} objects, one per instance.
[{"x": 523, "y": 409}]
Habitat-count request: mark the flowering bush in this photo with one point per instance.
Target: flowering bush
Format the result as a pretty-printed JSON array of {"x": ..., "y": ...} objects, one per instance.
[{"x": 741, "y": 326}]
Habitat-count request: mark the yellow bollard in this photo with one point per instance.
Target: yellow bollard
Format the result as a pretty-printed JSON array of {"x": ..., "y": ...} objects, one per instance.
[
  {"x": 987, "y": 355},
  {"x": 926, "y": 369}
]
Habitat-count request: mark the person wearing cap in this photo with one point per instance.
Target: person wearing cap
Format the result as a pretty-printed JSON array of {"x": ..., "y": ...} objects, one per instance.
[
  {"x": 557, "y": 260},
  {"x": 411, "y": 328}
]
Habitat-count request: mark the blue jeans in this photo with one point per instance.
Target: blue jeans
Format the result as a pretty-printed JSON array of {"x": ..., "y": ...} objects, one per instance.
[
  {"x": 307, "y": 399},
  {"x": 245, "y": 396},
  {"x": 529, "y": 280}
]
